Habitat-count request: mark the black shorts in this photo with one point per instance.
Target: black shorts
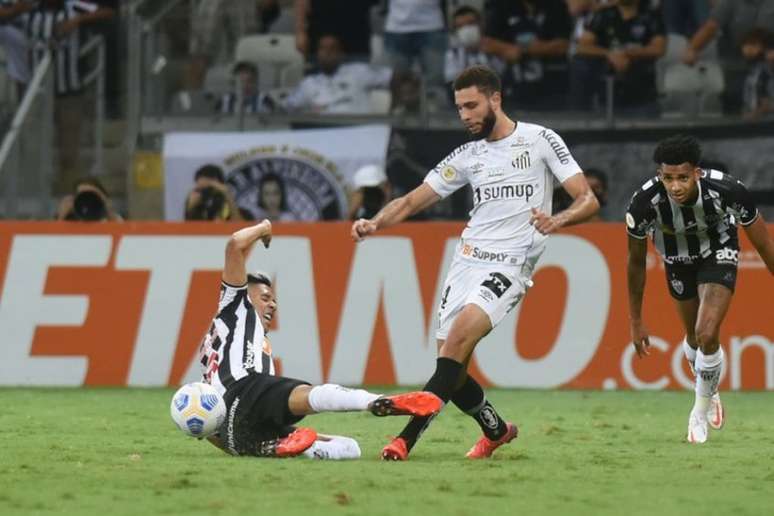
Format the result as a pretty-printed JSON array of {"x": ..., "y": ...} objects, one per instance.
[
  {"x": 257, "y": 411},
  {"x": 683, "y": 279}
]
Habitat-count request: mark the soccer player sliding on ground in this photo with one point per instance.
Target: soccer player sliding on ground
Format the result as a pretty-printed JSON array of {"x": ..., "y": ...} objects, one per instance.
[
  {"x": 261, "y": 407},
  {"x": 691, "y": 215},
  {"x": 510, "y": 167}
]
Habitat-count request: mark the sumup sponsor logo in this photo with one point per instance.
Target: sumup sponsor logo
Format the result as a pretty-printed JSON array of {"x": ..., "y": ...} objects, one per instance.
[
  {"x": 502, "y": 192},
  {"x": 556, "y": 145}
]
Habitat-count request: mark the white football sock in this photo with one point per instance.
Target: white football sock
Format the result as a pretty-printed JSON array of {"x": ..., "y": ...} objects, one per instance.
[
  {"x": 335, "y": 398},
  {"x": 690, "y": 353},
  {"x": 338, "y": 448},
  {"x": 708, "y": 369}
]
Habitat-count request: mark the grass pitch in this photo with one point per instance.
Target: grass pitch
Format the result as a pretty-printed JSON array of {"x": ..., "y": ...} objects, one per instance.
[{"x": 116, "y": 452}]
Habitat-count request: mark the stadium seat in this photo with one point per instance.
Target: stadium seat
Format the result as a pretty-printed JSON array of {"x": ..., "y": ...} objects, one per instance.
[
  {"x": 676, "y": 45},
  {"x": 218, "y": 80},
  {"x": 291, "y": 75},
  {"x": 380, "y": 101},
  {"x": 693, "y": 90},
  {"x": 273, "y": 54}
]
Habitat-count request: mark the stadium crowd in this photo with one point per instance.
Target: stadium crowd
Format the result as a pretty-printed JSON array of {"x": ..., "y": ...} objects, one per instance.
[
  {"x": 370, "y": 56},
  {"x": 398, "y": 58}
]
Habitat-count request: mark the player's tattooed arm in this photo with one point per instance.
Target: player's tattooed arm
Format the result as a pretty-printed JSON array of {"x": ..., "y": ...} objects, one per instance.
[
  {"x": 635, "y": 276},
  {"x": 762, "y": 241},
  {"x": 238, "y": 249},
  {"x": 396, "y": 211}
]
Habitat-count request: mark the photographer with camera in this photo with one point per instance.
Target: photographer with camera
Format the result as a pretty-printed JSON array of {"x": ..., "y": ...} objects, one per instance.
[
  {"x": 90, "y": 203},
  {"x": 210, "y": 198}
]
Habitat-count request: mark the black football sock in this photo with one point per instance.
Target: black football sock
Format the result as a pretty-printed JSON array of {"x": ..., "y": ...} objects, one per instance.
[
  {"x": 471, "y": 400},
  {"x": 442, "y": 384}
]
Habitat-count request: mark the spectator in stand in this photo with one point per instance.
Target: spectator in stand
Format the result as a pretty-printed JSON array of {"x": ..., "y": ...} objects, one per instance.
[
  {"x": 57, "y": 24},
  {"x": 731, "y": 19},
  {"x": 338, "y": 87},
  {"x": 13, "y": 40},
  {"x": 415, "y": 34},
  {"x": 273, "y": 200},
  {"x": 348, "y": 20},
  {"x": 581, "y": 12},
  {"x": 406, "y": 92},
  {"x": 210, "y": 198},
  {"x": 465, "y": 46},
  {"x": 758, "y": 51},
  {"x": 246, "y": 85},
  {"x": 89, "y": 202},
  {"x": 626, "y": 40},
  {"x": 371, "y": 192},
  {"x": 532, "y": 37},
  {"x": 216, "y": 28}
]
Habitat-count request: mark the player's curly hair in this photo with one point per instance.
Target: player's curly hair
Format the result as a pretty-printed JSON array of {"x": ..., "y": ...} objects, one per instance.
[
  {"x": 482, "y": 77},
  {"x": 681, "y": 148}
]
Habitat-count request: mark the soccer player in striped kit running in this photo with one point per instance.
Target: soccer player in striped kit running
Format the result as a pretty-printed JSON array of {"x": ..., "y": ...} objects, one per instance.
[
  {"x": 691, "y": 214},
  {"x": 262, "y": 408}
]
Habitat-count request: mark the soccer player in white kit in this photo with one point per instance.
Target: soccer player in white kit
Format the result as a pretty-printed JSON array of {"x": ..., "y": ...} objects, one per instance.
[{"x": 511, "y": 168}]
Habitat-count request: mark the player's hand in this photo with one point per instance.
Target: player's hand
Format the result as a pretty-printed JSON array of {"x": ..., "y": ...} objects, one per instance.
[
  {"x": 546, "y": 224},
  {"x": 618, "y": 60},
  {"x": 266, "y": 232},
  {"x": 361, "y": 228},
  {"x": 690, "y": 56},
  {"x": 640, "y": 339}
]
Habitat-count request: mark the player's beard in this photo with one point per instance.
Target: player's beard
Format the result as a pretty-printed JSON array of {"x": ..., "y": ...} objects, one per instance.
[{"x": 487, "y": 125}]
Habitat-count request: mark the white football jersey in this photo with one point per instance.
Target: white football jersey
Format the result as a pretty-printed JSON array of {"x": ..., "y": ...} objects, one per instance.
[{"x": 508, "y": 177}]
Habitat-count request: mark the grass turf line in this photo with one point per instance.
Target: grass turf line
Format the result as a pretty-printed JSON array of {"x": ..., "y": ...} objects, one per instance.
[{"x": 115, "y": 452}]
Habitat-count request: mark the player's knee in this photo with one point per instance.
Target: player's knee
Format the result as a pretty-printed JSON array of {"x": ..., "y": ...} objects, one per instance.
[{"x": 707, "y": 338}]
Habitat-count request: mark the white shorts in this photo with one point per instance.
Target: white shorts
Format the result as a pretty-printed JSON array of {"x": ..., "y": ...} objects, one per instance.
[{"x": 496, "y": 288}]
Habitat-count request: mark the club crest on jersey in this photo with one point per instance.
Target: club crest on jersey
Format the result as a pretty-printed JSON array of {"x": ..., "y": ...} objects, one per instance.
[
  {"x": 448, "y": 173},
  {"x": 521, "y": 161},
  {"x": 678, "y": 287},
  {"x": 630, "y": 221}
]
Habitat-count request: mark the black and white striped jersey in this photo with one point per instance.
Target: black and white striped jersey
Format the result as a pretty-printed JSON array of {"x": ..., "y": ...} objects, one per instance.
[
  {"x": 41, "y": 25},
  {"x": 685, "y": 233},
  {"x": 236, "y": 345}
]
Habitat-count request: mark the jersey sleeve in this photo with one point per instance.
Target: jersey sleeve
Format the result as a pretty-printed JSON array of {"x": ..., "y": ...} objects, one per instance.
[
  {"x": 640, "y": 216},
  {"x": 741, "y": 204},
  {"x": 556, "y": 155},
  {"x": 230, "y": 295},
  {"x": 450, "y": 174}
]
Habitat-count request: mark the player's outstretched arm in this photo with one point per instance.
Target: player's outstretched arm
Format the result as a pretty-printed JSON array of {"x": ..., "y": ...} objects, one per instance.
[
  {"x": 238, "y": 249},
  {"x": 584, "y": 206},
  {"x": 396, "y": 211},
  {"x": 762, "y": 241},
  {"x": 635, "y": 276}
]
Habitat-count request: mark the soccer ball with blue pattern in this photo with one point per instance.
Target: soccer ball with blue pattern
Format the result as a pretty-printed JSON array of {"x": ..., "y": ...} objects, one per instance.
[{"x": 197, "y": 409}]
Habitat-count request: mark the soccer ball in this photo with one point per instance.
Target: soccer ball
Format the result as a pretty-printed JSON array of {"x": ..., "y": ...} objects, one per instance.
[{"x": 197, "y": 409}]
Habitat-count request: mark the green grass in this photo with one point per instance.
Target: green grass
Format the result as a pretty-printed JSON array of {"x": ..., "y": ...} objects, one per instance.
[{"x": 115, "y": 451}]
